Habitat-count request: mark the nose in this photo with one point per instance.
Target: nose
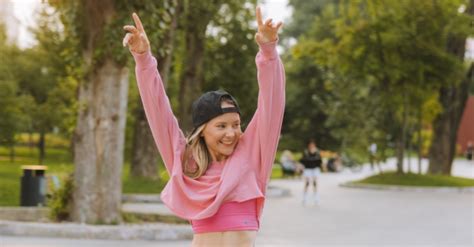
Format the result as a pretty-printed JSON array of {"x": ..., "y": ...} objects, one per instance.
[{"x": 230, "y": 132}]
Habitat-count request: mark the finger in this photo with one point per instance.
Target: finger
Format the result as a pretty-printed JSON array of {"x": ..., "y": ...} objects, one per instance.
[
  {"x": 130, "y": 28},
  {"x": 258, "y": 37},
  {"x": 126, "y": 39},
  {"x": 138, "y": 23},
  {"x": 268, "y": 22},
  {"x": 259, "y": 16},
  {"x": 278, "y": 25}
]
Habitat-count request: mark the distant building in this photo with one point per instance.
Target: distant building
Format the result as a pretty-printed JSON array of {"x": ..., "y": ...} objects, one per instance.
[
  {"x": 11, "y": 23},
  {"x": 466, "y": 127}
]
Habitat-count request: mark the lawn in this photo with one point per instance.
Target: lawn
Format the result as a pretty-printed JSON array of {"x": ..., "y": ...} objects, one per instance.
[
  {"x": 59, "y": 163},
  {"x": 411, "y": 179}
]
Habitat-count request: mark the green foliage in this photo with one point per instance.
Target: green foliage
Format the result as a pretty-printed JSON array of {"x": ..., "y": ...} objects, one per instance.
[
  {"x": 230, "y": 56},
  {"x": 377, "y": 66},
  {"x": 13, "y": 104},
  {"x": 60, "y": 200},
  {"x": 411, "y": 179},
  {"x": 304, "y": 13}
]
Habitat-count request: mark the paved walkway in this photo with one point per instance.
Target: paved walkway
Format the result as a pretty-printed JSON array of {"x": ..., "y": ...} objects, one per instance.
[
  {"x": 345, "y": 217},
  {"x": 360, "y": 217}
]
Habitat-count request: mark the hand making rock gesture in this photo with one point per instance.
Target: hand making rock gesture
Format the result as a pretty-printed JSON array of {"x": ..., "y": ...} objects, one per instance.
[
  {"x": 136, "y": 38},
  {"x": 267, "y": 31}
]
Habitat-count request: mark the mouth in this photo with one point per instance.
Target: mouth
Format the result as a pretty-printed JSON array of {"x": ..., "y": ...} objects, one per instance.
[{"x": 227, "y": 143}]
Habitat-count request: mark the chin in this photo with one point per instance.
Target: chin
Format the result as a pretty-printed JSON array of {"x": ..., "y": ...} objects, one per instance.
[{"x": 228, "y": 152}]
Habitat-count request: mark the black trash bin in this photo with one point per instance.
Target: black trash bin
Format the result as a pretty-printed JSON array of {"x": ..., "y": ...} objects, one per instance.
[{"x": 33, "y": 186}]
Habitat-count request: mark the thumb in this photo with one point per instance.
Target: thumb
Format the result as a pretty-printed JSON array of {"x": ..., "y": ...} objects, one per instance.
[{"x": 258, "y": 37}]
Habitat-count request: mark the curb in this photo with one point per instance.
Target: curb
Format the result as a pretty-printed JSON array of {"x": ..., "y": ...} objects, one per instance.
[
  {"x": 36, "y": 214},
  {"x": 141, "y": 198},
  {"x": 154, "y": 231},
  {"x": 464, "y": 190}
]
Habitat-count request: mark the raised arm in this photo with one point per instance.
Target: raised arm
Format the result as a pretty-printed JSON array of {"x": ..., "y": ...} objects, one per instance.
[
  {"x": 164, "y": 126},
  {"x": 265, "y": 125}
]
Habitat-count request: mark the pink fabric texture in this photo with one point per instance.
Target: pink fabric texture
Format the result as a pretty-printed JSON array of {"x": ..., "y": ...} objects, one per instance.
[
  {"x": 231, "y": 216},
  {"x": 246, "y": 172}
]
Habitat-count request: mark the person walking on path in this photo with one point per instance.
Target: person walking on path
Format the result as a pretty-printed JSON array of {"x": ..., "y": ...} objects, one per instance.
[
  {"x": 469, "y": 150},
  {"x": 312, "y": 162},
  {"x": 218, "y": 175}
]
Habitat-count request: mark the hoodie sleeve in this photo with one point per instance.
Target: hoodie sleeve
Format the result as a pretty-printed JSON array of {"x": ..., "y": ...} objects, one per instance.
[
  {"x": 165, "y": 129},
  {"x": 265, "y": 126}
]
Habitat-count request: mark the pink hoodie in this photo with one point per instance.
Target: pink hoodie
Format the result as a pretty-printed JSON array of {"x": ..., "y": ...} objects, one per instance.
[{"x": 246, "y": 172}]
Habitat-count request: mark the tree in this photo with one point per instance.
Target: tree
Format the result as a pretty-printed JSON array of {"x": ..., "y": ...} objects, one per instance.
[
  {"x": 102, "y": 100},
  {"x": 14, "y": 103},
  {"x": 380, "y": 65},
  {"x": 452, "y": 95},
  {"x": 197, "y": 16},
  {"x": 144, "y": 151},
  {"x": 230, "y": 56}
]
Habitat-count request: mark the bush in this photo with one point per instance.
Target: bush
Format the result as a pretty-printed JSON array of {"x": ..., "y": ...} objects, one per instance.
[{"x": 61, "y": 200}]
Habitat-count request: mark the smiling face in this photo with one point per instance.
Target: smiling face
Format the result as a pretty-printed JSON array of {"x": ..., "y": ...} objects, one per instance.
[{"x": 222, "y": 134}]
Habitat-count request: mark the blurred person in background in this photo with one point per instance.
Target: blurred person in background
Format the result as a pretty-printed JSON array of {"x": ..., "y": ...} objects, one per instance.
[
  {"x": 469, "y": 150},
  {"x": 312, "y": 163},
  {"x": 289, "y": 163},
  {"x": 372, "y": 155}
]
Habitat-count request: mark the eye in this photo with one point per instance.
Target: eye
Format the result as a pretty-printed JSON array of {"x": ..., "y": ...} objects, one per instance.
[
  {"x": 221, "y": 126},
  {"x": 236, "y": 126}
]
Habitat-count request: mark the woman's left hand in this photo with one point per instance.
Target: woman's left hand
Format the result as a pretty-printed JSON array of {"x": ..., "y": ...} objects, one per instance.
[{"x": 267, "y": 31}]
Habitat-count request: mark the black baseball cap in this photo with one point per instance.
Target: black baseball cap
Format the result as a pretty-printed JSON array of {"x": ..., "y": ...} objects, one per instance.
[{"x": 208, "y": 106}]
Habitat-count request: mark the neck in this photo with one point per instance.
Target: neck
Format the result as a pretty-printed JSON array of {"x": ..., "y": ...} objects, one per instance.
[{"x": 218, "y": 158}]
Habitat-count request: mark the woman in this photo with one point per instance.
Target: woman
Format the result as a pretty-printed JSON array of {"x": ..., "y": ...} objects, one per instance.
[
  {"x": 312, "y": 168},
  {"x": 218, "y": 175}
]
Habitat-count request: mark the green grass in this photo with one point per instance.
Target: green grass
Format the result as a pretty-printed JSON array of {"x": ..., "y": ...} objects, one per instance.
[
  {"x": 142, "y": 185},
  {"x": 57, "y": 160},
  {"x": 59, "y": 163},
  {"x": 411, "y": 179}
]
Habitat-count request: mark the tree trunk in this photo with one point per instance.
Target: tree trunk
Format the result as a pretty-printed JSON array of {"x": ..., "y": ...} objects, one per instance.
[
  {"x": 445, "y": 127},
  {"x": 400, "y": 154},
  {"x": 99, "y": 144},
  {"x": 144, "y": 151},
  {"x": 452, "y": 99},
  {"x": 100, "y": 131},
  {"x": 420, "y": 139},
  {"x": 402, "y": 139},
  {"x": 41, "y": 147},
  {"x": 193, "y": 75}
]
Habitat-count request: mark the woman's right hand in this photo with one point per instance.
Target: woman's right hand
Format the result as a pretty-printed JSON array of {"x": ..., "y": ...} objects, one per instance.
[{"x": 136, "y": 38}]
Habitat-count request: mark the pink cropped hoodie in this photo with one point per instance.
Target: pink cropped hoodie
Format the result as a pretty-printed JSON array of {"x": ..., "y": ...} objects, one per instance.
[{"x": 246, "y": 172}]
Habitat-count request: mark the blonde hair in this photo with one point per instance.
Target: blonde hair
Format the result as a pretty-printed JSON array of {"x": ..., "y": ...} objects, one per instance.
[{"x": 196, "y": 150}]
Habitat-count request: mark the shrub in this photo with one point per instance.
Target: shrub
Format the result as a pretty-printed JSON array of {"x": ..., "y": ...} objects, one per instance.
[{"x": 61, "y": 200}]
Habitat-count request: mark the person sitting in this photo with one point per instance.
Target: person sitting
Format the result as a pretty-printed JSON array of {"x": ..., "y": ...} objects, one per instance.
[
  {"x": 289, "y": 165},
  {"x": 334, "y": 163}
]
